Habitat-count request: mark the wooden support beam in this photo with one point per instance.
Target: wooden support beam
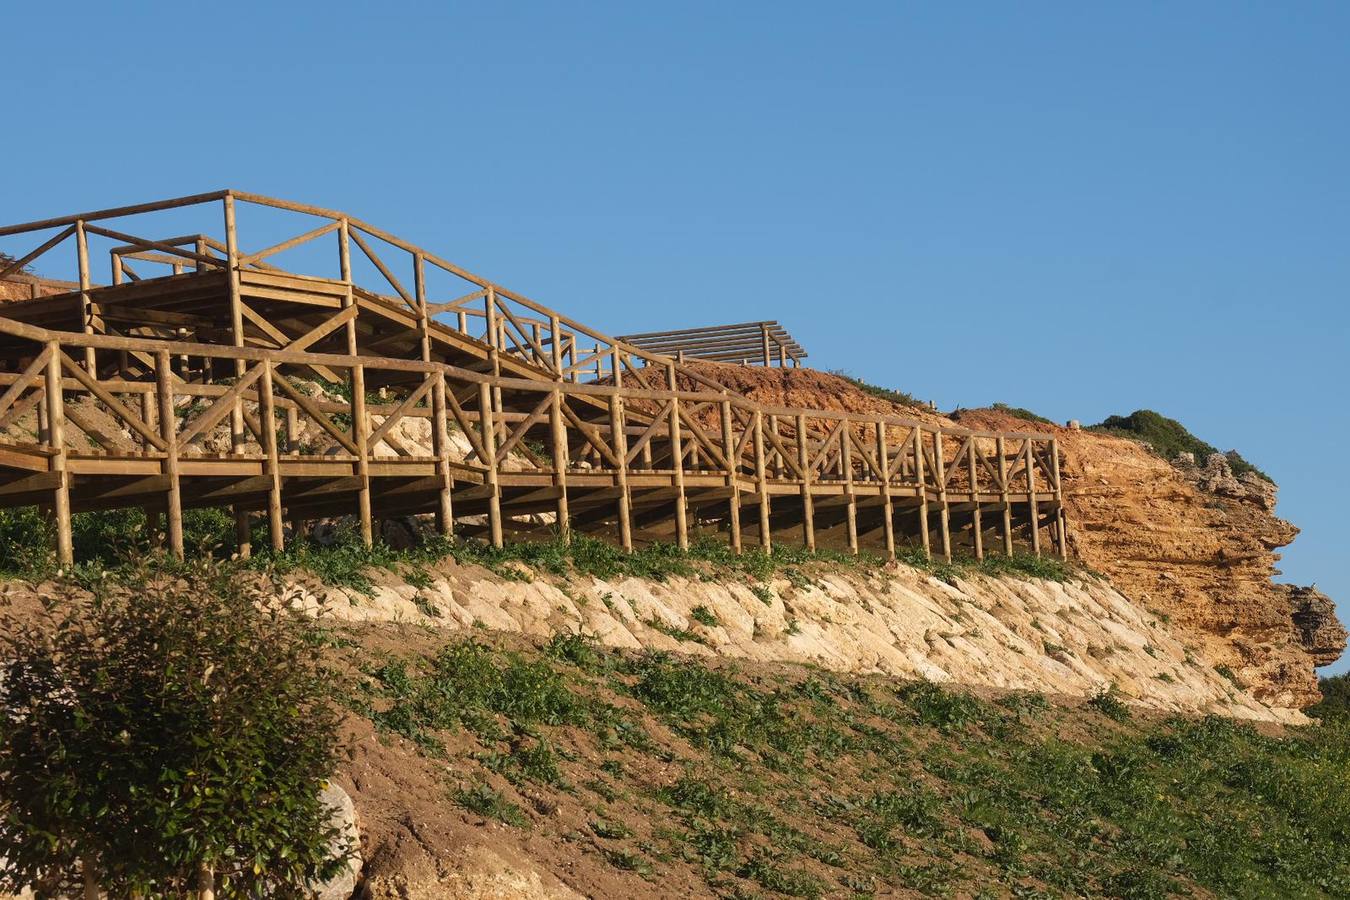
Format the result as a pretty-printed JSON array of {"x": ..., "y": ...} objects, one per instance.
[
  {"x": 677, "y": 461},
  {"x": 267, "y": 413},
  {"x": 733, "y": 459},
  {"x": 173, "y": 503},
  {"x": 488, "y": 434},
  {"x": 358, "y": 387},
  {"x": 86, "y": 304},
  {"x": 944, "y": 510},
  {"x": 1004, "y": 499},
  {"x": 56, "y": 430},
  {"x": 976, "y": 525},
  {"x": 1061, "y": 518},
  {"x": 888, "y": 523},
  {"x": 620, "y": 441},
  {"x": 1033, "y": 513},
  {"x": 243, "y": 538},
  {"x": 559, "y": 458},
  {"x": 921, "y": 476},
  {"x": 762, "y": 486},
  {"x": 846, "y": 465},
  {"x": 808, "y": 502}
]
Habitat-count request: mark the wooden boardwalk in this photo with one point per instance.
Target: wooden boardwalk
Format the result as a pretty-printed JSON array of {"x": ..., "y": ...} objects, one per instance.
[{"x": 204, "y": 373}]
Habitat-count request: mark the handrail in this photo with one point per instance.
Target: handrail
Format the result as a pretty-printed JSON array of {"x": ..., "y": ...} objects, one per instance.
[{"x": 39, "y": 334}]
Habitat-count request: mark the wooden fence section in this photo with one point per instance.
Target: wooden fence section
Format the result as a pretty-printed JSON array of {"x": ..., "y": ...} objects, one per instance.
[
  {"x": 231, "y": 382},
  {"x": 747, "y": 342}
]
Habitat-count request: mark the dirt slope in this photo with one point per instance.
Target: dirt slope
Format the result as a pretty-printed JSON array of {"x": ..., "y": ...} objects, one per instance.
[{"x": 1198, "y": 547}]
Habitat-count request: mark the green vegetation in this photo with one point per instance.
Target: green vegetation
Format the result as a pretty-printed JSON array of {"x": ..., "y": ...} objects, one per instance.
[
  {"x": 1335, "y": 703},
  {"x": 798, "y": 782},
  {"x": 1022, "y": 413},
  {"x": 898, "y": 397},
  {"x": 1168, "y": 437},
  {"x": 106, "y": 540},
  {"x": 157, "y": 723},
  {"x": 102, "y": 540}
]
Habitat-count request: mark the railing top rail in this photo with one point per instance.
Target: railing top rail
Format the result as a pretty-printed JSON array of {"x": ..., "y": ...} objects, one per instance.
[
  {"x": 291, "y": 357},
  {"x": 114, "y": 213}
]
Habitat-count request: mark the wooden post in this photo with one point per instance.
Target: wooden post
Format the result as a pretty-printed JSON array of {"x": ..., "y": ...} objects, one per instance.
[
  {"x": 764, "y": 337},
  {"x": 920, "y": 474},
  {"x": 494, "y": 326},
  {"x": 243, "y": 539},
  {"x": 440, "y": 429},
  {"x": 944, "y": 511},
  {"x": 976, "y": 523},
  {"x": 360, "y": 428},
  {"x": 558, "y": 433},
  {"x": 488, "y": 431},
  {"x": 762, "y": 486},
  {"x": 267, "y": 415},
  {"x": 619, "y": 438},
  {"x": 1061, "y": 517},
  {"x": 846, "y": 464},
  {"x": 733, "y": 478},
  {"x": 168, "y": 432},
  {"x": 1032, "y": 509},
  {"x": 677, "y": 462},
  {"x": 440, "y": 439},
  {"x": 56, "y": 429},
  {"x": 883, "y": 460},
  {"x": 87, "y": 311},
  {"x": 1005, "y": 498},
  {"x": 556, "y": 347},
  {"x": 808, "y": 502}
]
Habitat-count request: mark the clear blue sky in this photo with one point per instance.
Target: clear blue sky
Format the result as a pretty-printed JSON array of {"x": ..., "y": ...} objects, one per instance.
[{"x": 1142, "y": 205}]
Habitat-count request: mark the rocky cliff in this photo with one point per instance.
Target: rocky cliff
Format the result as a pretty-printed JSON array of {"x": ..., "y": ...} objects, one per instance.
[{"x": 1184, "y": 538}]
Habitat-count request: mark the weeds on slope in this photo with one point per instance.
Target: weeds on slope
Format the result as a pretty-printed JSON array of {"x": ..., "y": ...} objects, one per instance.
[{"x": 797, "y": 782}]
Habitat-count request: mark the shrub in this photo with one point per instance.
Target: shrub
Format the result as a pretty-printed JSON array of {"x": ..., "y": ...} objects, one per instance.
[
  {"x": 1335, "y": 702},
  {"x": 899, "y": 398},
  {"x": 1168, "y": 437},
  {"x": 154, "y": 725},
  {"x": 1022, "y": 413}
]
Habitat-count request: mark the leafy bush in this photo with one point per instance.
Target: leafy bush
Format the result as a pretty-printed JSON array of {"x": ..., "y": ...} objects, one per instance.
[
  {"x": 1335, "y": 702},
  {"x": 1168, "y": 437},
  {"x": 153, "y": 725}
]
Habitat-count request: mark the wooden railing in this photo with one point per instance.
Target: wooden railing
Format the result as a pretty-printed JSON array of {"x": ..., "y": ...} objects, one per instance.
[
  {"x": 220, "y": 424},
  {"x": 177, "y": 433}
]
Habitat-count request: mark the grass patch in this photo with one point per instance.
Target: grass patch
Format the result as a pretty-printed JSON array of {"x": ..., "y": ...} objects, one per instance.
[{"x": 797, "y": 782}]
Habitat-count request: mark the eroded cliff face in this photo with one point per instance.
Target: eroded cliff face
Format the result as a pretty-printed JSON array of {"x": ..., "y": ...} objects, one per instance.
[{"x": 1188, "y": 540}]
